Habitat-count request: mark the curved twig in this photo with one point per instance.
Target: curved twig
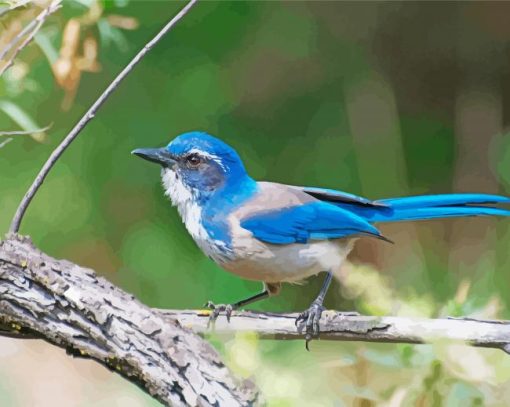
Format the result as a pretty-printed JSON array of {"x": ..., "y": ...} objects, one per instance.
[
  {"x": 4, "y": 142},
  {"x": 89, "y": 115}
]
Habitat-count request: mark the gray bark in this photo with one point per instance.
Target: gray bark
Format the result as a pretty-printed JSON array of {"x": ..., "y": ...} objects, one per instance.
[
  {"x": 71, "y": 307},
  {"x": 337, "y": 326}
]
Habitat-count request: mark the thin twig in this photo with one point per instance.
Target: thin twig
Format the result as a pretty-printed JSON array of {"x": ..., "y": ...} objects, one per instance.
[
  {"x": 28, "y": 32},
  {"x": 337, "y": 326},
  {"x": 4, "y": 142},
  {"x": 8, "y": 9},
  {"x": 24, "y": 132},
  {"x": 89, "y": 115}
]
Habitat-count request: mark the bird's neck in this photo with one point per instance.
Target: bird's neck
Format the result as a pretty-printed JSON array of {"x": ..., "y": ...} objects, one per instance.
[
  {"x": 232, "y": 192},
  {"x": 205, "y": 213}
]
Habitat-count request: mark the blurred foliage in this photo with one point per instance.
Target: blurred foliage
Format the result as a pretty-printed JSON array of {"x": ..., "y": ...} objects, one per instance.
[{"x": 379, "y": 99}]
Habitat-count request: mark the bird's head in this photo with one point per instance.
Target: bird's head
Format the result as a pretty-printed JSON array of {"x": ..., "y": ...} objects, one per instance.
[{"x": 195, "y": 165}]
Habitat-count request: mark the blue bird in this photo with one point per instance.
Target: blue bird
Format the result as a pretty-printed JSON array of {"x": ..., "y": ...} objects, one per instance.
[{"x": 277, "y": 233}]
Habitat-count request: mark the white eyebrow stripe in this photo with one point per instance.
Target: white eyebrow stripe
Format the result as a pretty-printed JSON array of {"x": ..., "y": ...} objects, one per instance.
[
  {"x": 202, "y": 153},
  {"x": 205, "y": 154}
]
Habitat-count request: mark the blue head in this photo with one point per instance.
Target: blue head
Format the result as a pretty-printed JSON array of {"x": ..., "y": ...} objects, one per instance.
[{"x": 196, "y": 166}]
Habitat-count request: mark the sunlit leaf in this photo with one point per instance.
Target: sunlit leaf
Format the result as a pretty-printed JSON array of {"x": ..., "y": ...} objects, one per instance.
[
  {"x": 63, "y": 66},
  {"x": 88, "y": 62},
  {"x": 123, "y": 22}
]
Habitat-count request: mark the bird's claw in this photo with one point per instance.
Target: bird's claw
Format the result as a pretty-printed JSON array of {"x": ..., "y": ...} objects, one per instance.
[
  {"x": 310, "y": 318},
  {"x": 217, "y": 309}
]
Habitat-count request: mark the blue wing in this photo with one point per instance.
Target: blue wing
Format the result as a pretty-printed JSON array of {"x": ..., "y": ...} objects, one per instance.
[
  {"x": 311, "y": 221},
  {"x": 337, "y": 214}
]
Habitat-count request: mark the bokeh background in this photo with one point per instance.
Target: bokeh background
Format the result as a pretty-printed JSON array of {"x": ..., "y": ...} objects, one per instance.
[{"x": 379, "y": 99}]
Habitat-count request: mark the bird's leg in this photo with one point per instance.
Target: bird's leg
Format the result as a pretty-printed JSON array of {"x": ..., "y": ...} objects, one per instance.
[
  {"x": 312, "y": 315},
  {"x": 269, "y": 290}
]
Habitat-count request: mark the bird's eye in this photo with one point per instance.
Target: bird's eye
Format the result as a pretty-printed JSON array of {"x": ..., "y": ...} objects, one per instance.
[{"x": 193, "y": 160}]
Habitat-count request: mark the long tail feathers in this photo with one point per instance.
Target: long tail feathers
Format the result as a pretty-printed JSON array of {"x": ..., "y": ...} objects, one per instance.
[
  {"x": 439, "y": 206},
  {"x": 443, "y": 200}
]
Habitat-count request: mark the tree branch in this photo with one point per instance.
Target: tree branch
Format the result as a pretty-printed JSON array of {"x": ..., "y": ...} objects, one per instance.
[
  {"x": 71, "y": 307},
  {"x": 335, "y": 326},
  {"x": 89, "y": 115}
]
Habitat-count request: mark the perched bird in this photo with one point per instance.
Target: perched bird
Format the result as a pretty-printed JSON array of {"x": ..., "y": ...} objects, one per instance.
[{"x": 277, "y": 233}]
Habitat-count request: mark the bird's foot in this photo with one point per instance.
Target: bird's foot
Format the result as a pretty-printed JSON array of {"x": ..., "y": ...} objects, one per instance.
[
  {"x": 310, "y": 318},
  {"x": 217, "y": 309}
]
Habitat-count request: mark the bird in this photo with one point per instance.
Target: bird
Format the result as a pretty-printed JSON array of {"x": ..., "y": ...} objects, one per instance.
[{"x": 277, "y": 233}]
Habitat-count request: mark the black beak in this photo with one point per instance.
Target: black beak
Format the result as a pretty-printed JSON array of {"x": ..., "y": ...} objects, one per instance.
[{"x": 156, "y": 155}]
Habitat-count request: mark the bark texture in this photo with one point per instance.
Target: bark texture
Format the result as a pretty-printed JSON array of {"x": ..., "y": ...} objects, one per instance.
[
  {"x": 337, "y": 326},
  {"x": 71, "y": 307}
]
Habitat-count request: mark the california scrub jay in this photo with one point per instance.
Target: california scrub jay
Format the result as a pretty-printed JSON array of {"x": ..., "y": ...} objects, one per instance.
[{"x": 278, "y": 233}]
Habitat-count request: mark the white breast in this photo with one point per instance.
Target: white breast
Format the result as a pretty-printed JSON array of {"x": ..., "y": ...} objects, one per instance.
[{"x": 191, "y": 214}]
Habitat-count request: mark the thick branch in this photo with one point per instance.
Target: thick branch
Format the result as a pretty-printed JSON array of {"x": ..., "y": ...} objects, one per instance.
[
  {"x": 71, "y": 307},
  {"x": 88, "y": 116},
  {"x": 335, "y": 326}
]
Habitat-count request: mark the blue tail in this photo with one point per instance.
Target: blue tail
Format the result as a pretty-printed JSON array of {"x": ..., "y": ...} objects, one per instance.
[
  {"x": 414, "y": 207},
  {"x": 437, "y": 206}
]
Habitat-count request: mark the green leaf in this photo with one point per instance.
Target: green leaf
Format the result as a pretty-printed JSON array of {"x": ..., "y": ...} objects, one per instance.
[
  {"x": 23, "y": 119},
  {"x": 43, "y": 41},
  {"x": 111, "y": 35}
]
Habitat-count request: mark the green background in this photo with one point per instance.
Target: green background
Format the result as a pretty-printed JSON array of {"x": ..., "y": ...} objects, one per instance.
[{"x": 380, "y": 99}]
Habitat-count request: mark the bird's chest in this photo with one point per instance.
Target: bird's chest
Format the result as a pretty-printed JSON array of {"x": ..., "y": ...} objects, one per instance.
[
  {"x": 191, "y": 215},
  {"x": 195, "y": 217},
  {"x": 204, "y": 232}
]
